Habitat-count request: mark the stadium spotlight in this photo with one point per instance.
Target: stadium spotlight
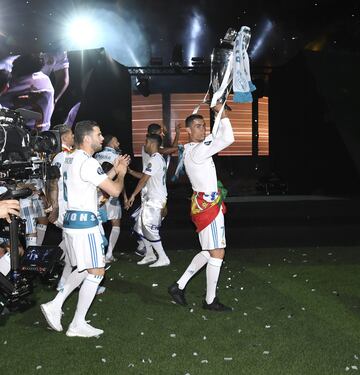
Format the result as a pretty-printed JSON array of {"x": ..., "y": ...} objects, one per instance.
[
  {"x": 82, "y": 32},
  {"x": 142, "y": 84}
]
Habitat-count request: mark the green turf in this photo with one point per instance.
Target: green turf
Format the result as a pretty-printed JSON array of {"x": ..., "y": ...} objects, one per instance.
[{"x": 296, "y": 311}]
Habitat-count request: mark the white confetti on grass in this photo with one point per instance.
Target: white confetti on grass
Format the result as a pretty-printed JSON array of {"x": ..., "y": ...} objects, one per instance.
[
  {"x": 354, "y": 367},
  {"x": 149, "y": 318},
  {"x": 173, "y": 335},
  {"x": 5, "y": 342},
  {"x": 149, "y": 360},
  {"x": 195, "y": 354},
  {"x": 294, "y": 275},
  {"x": 39, "y": 367},
  {"x": 204, "y": 361},
  {"x": 36, "y": 323},
  {"x": 347, "y": 368},
  {"x": 142, "y": 333},
  {"x": 204, "y": 317},
  {"x": 268, "y": 326},
  {"x": 356, "y": 357},
  {"x": 131, "y": 365},
  {"x": 154, "y": 285},
  {"x": 103, "y": 360},
  {"x": 98, "y": 347},
  {"x": 266, "y": 352},
  {"x": 191, "y": 310},
  {"x": 228, "y": 359},
  {"x": 204, "y": 338},
  {"x": 173, "y": 355},
  {"x": 239, "y": 330}
]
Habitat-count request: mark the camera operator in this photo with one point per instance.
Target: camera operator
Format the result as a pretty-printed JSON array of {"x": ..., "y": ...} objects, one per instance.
[{"x": 9, "y": 207}]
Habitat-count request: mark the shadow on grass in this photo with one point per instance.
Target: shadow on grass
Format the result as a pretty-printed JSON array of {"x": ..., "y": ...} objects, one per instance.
[{"x": 147, "y": 294}]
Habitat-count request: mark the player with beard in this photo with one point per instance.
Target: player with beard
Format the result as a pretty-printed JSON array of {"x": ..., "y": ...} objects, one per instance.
[{"x": 82, "y": 175}]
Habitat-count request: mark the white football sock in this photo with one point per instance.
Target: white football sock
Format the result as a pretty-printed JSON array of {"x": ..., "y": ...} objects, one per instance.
[
  {"x": 72, "y": 282},
  {"x": 212, "y": 275},
  {"x": 40, "y": 230},
  {"x": 67, "y": 266},
  {"x": 199, "y": 261},
  {"x": 158, "y": 247},
  {"x": 149, "y": 249},
  {"x": 31, "y": 241},
  {"x": 86, "y": 296},
  {"x": 114, "y": 235},
  {"x": 141, "y": 244}
]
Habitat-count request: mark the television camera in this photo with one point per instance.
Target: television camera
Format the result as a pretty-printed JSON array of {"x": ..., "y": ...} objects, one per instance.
[{"x": 24, "y": 156}]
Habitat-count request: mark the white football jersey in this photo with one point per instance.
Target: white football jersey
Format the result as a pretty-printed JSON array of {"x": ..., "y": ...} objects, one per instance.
[
  {"x": 198, "y": 161},
  {"x": 108, "y": 154},
  {"x": 156, "y": 185},
  {"x": 58, "y": 161},
  {"x": 38, "y": 84},
  {"x": 81, "y": 176},
  {"x": 54, "y": 61}
]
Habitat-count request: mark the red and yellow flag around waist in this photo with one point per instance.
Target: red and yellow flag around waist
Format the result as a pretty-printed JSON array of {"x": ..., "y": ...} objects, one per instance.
[{"x": 204, "y": 212}]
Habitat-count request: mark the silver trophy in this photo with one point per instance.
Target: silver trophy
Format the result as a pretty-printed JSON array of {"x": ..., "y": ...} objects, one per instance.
[
  {"x": 230, "y": 70},
  {"x": 221, "y": 61}
]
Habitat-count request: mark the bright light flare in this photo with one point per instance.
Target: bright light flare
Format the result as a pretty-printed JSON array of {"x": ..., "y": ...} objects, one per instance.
[
  {"x": 83, "y": 32},
  {"x": 260, "y": 42},
  {"x": 196, "y": 31}
]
